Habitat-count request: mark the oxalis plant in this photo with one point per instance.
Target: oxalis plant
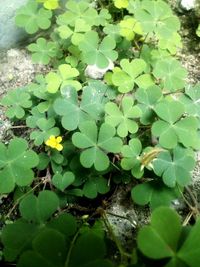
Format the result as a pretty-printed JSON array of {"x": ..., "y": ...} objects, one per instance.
[{"x": 114, "y": 109}]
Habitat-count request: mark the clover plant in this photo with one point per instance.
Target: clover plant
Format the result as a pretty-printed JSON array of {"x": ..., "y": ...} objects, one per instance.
[
  {"x": 114, "y": 108},
  {"x": 168, "y": 242}
]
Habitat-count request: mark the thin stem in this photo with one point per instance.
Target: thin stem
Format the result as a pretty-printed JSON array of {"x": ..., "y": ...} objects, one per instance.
[
  {"x": 71, "y": 247},
  {"x": 123, "y": 254},
  {"x": 134, "y": 224},
  {"x": 20, "y": 198},
  {"x": 194, "y": 200},
  {"x": 140, "y": 50},
  {"x": 194, "y": 210},
  {"x": 43, "y": 181},
  {"x": 188, "y": 217},
  {"x": 18, "y": 126}
]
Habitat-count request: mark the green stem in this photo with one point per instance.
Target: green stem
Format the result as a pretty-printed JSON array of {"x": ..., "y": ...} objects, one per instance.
[
  {"x": 123, "y": 254},
  {"x": 70, "y": 248},
  {"x": 20, "y": 198}
]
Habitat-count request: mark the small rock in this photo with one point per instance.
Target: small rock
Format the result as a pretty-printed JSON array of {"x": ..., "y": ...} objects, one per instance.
[
  {"x": 95, "y": 72},
  {"x": 187, "y": 4},
  {"x": 10, "y": 34}
]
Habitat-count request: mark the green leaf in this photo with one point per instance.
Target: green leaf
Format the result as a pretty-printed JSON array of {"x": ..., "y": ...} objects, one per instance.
[
  {"x": 198, "y": 31},
  {"x": 47, "y": 129},
  {"x": 16, "y": 101},
  {"x": 16, "y": 237},
  {"x": 155, "y": 193},
  {"x": 156, "y": 17},
  {"x": 43, "y": 161},
  {"x": 171, "y": 73},
  {"x": 31, "y": 120},
  {"x": 42, "y": 51},
  {"x": 129, "y": 27},
  {"x": 82, "y": 10},
  {"x": 131, "y": 159},
  {"x": 123, "y": 119},
  {"x": 39, "y": 209},
  {"x": 94, "y": 97},
  {"x": 90, "y": 108},
  {"x": 49, "y": 4},
  {"x": 16, "y": 162},
  {"x": 147, "y": 99},
  {"x": 95, "y": 185},
  {"x": 63, "y": 181},
  {"x": 96, "y": 144},
  {"x": 190, "y": 250},
  {"x": 90, "y": 248},
  {"x": 64, "y": 76},
  {"x": 120, "y": 3},
  {"x": 175, "y": 168},
  {"x": 126, "y": 77},
  {"x": 172, "y": 44},
  {"x": 174, "y": 128},
  {"x": 76, "y": 33},
  {"x": 49, "y": 249},
  {"x": 113, "y": 31},
  {"x": 191, "y": 101},
  {"x": 158, "y": 240},
  {"x": 95, "y": 53},
  {"x": 59, "y": 223},
  {"x": 38, "y": 88},
  {"x": 32, "y": 19}
]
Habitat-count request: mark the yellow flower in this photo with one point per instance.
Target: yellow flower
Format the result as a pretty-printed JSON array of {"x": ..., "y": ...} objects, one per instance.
[{"x": 54, "y": 142}]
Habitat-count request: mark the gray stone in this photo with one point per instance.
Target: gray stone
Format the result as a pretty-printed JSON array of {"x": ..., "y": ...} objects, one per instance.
[{"x": 10, "y": 35}]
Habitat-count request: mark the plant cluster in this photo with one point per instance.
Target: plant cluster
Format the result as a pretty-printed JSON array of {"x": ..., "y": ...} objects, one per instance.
[{"x": 114, "y": 109}]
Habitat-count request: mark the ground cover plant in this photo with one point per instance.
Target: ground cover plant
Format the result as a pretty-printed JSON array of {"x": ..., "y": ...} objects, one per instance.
[{"x": 114, "y": 109}]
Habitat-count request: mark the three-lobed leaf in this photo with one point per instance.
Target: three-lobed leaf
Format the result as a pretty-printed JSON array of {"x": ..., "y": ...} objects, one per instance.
[
  {"x": 129, "y": 27},
  {"x": 148, "y": 98},
  {"x": 16, "y": 163},
  {"x": 131, "y": 157},
  {"x": 153, "y": 193},
  {"x": 84, "y": 11},
  {"x": 76, "y": 33},
  {"x": 46, "y": 129},
  {"x": 95, "y": 185},
  {"x": 96, "y": 144},
  {"x": 39, "y": 209},
  {"x": 130, "y": 74},
  {"x": 16, "y": 101},
  {"x": 31, "y": 18},
  {"x": 74, "y": 112},
  {"x": 158, "y": 240},
  {"x": 175, "y": 168},
  {"x": 191, "y": 100},
  {"x": 157, "y": 17},
  {"x": 171, "y": 74},
  {"x": 64, "y": 76},
  {"x": 95, "y": 53},
  {"x": 123, "y": 118},
  {"x": 172, "y": 128},
  {"x": 42, "y": 51}
]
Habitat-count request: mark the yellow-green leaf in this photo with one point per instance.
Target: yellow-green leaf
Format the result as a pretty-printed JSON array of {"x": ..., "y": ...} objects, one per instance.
[
  {"x": 121, "y": 3},
  {"x": 49, "y": 4}
]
